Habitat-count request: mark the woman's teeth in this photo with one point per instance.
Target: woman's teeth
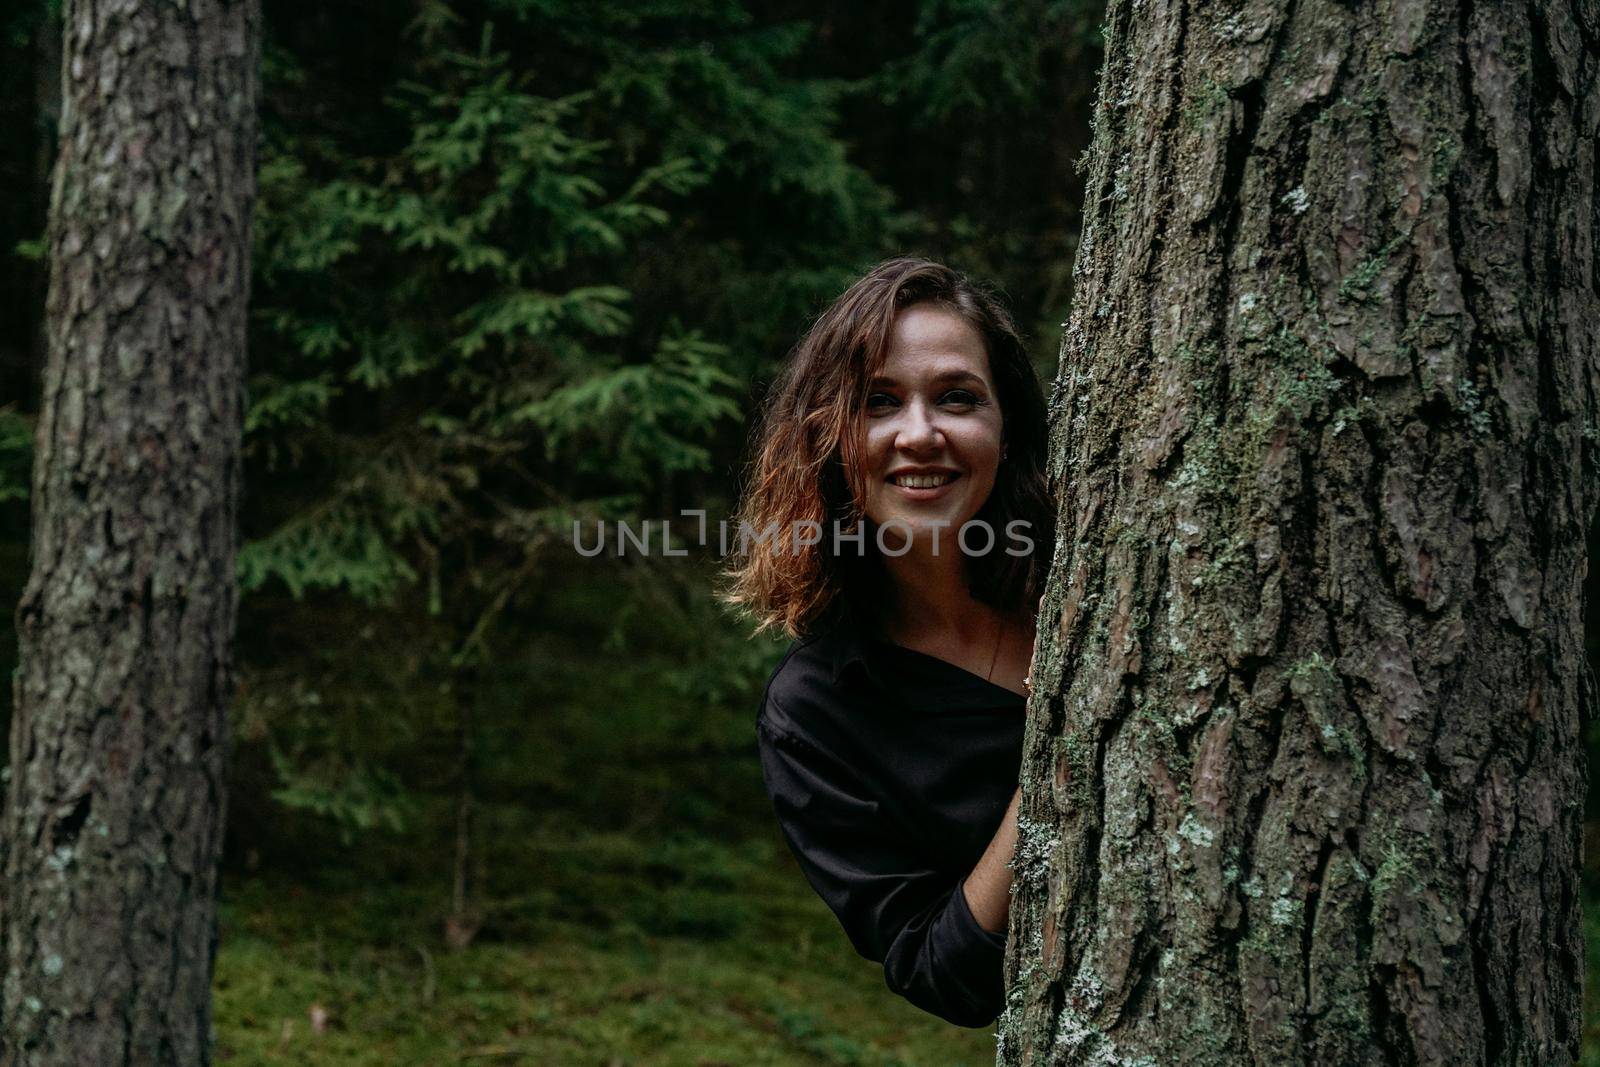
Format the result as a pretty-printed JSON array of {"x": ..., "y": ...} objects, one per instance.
[{"x": 922, "y": 481}]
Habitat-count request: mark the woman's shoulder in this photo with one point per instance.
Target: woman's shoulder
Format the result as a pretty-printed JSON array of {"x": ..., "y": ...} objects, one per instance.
[{"x": 803, "y": 696}]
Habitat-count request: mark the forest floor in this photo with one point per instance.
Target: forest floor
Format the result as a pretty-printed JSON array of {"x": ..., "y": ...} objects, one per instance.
[
  {"x": 769, "y": 981},
  {"x": 640, "y": 908}
]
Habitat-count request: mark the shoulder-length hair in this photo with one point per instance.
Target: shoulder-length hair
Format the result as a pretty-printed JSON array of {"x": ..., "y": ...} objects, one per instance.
[{"x": 808, "y": 459}]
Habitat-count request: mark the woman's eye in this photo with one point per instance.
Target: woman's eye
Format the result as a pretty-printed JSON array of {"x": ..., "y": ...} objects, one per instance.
[{"x": 958, "y": 397}]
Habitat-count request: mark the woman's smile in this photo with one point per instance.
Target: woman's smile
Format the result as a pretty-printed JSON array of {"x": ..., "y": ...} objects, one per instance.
[{"x": 923, "y": 486}]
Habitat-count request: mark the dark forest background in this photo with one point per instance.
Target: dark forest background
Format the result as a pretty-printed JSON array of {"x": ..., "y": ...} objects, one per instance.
[{"x": 521, "y": 263}]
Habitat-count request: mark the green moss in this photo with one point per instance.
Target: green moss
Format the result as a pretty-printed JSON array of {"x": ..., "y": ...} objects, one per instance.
[
  {"x": 1364, "y": 105},
  {"x": 1355, "y": 284},
  {"x": 1315, "y": 684},
  {"x": 1196, "y": 357},
  {"x": 1078, "y": 753},
  {"x": 1211, "y": 99},
  {"x": 1313, "y": 669},
  {"x": 790, "y": 995},
  {"x": 1291, "y": 62},
  {"x": 1470, "y": 404},
  {"x": 1207, "y": 469},
  {"x": 1396, "y": 870},
  {"x": 1303, "y": 382},
  {"x": 1232, "y": 557},
  {"x": 1364, "y": 408},
  {"x": 1354, "y": 747},
  {"x": 1446, "y": 151}
]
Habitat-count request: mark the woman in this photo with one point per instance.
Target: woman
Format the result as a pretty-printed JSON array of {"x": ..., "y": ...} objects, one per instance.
[{"x": 901, "y": 460}]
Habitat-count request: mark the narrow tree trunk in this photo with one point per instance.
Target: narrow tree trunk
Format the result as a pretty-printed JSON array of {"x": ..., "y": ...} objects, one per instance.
[
  {"x": 1303, "y": 783},
  {"x": 115, "y": 808},
  {"x": 465, "y": 916}
]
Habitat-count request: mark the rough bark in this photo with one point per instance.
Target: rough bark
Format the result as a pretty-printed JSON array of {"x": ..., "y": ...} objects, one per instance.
[
  {"x": 1303, "y": 781},
  {"x": 115, "y": 806}
]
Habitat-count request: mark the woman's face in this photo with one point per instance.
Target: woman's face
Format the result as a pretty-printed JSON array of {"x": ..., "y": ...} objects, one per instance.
[{"x": 933, "y": 420}]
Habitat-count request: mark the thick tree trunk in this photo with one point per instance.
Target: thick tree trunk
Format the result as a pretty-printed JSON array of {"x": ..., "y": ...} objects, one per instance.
[
  {"x": 115, "y": 808},
  {"x": 1303, "y": 781}
]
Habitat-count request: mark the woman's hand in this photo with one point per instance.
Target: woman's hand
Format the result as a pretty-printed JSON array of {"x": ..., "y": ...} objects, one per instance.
[{"x": 988, "y": 887}]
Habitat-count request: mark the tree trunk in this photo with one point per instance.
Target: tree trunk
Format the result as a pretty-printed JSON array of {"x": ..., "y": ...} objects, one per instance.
[
  {"x": 115, "y": 808},
  {"x": 466, "y": 915},
  {"x": 1303, "y": 781}
]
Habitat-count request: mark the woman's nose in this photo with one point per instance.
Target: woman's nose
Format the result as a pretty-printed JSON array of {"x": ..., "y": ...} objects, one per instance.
[{"x": 917, "y": 431}]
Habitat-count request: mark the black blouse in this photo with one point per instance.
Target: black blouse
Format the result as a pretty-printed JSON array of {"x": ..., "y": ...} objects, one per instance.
[{"x": 890, "y": 771}]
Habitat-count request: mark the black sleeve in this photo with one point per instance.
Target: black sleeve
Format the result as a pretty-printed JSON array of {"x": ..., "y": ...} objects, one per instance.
[{"x": 896, "y": 910}]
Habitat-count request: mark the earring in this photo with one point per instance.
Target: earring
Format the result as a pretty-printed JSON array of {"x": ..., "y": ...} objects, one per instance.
[{"x": 1003, "y": 450}]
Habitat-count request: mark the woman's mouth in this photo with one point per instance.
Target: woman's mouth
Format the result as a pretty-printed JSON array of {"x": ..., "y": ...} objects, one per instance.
[{"x": 923, "y": 486}]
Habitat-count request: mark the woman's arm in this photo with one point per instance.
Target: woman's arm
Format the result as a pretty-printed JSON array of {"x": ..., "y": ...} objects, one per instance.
[
  {"x": 988, "y": 887},
  {"x": 897, "y": 909}
]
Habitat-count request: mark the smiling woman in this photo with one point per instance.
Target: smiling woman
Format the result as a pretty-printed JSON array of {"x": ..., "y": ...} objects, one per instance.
[{"x": 891, "y": 731}]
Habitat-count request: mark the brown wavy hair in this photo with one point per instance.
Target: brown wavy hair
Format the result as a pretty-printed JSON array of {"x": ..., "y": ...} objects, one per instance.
[{"x": 808, "y": 453}]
